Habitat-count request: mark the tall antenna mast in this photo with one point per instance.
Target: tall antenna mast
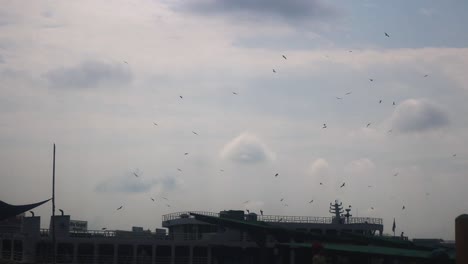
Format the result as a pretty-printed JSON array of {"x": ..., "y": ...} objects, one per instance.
[{"x": 53, "y": 209}]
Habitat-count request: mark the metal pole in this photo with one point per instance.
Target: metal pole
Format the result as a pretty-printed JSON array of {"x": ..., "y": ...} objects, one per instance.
[{"x": 53, "y": 209}]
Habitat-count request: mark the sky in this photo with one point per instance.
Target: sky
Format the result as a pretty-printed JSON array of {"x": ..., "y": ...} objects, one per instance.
[{"x": 126, "y": 89}]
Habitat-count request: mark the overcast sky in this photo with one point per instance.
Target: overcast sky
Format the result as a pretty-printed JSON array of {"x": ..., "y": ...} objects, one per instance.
[{"x": 94, "y": 77}]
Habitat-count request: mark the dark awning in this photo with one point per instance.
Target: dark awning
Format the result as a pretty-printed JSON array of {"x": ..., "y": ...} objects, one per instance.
[{"x": 8, "y": 210}]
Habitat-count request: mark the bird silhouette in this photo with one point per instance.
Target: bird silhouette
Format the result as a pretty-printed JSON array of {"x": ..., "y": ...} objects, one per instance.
[
  {"x": 165, "y": 198},
  {"x": 349, "y": 206},
  {"x": 125, "y": 62},
  {"x": 311, "y": 201},
  {"x": 321, "y": 183},
  {"x": 179, "y": 169},
  {"x": 342, "y": 185},
  {"x": 426, "y": 75},
  {"x": 276, "y": 175},
  {"x": 368, "y": 124},
  {"x": 370, "y": 186},
  {"x": 380, "y": 101},
  {"x": 390, "y": 131},
  {"x": 387, "y": 35},
  {"x": 371, "y": 80},
  {"x": 396, "y": 174},
  {"x": 403, "y": 208},
  {"x": 155, "y": 123},
  {"x": 281, "y": 199},
  {"x": 274, "y": 71},
  {"x": 195, "y": 133},
  {"x": 261, "y": 212},
  {"x": 120, "y": 207},
  {"x": 454, "y": 155},
  {"x": 103, "y": 228},
  {"x": 372, "y": 208},
  {"x": 324, "y": 126},
  {"x": 221, "y": 170},
  {"x": 152, "y": 199},
  {"x": 350, "y": 51},
  {"x": 32, "y": 213},
  {"x": 181, "y": 97},
  {"x": 186, "y": 153},
  {"x": 234, "y": 93},
  {"x": 285, "y": 57},
  {"x": 348, "y": 93},
  {"x": 136, "y": 175},
  {"x": 339, "y": 98},
  {"x": 246, "y": 201},
  {"x": 394, "y": 103}
]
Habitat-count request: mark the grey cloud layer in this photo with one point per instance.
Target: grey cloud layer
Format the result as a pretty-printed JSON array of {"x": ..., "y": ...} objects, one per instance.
[
  {"x": 88, "y": 74},
  {"x": 289, "y": 10},
  {"x": 418, "y": 115}
]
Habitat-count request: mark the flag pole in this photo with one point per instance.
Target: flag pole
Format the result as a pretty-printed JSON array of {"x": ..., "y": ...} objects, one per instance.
[{"x": 53, "y": 208}]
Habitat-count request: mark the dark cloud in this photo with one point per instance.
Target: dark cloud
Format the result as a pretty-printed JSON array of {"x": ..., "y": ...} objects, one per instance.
[
  {"x": 130, "y": 184},
  {"x": 418, "y": 115},
  {"x": 246, "y": 148},
  {"x": 89, "y": 74},
  {"x": 287, "y": 10}
]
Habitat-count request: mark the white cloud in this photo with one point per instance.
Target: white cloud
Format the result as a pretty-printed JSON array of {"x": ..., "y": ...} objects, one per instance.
[
  {"x": 319, "y": 167},
  {"x": 418, "y": 115},
  {"x": 247, "y": 148}
]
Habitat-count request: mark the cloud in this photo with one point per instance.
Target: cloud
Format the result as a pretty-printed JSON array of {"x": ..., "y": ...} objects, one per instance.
[
  {"x": 360, "y": 166},
  {"x": 418, "y": 115},
  {"x": 129, "y": 184},
  {"x": 319, "y": 167},
  {"x": 288, "y": 10},
  {"x": 246, "y": 148},
  {"x": 88, "y": 74}
]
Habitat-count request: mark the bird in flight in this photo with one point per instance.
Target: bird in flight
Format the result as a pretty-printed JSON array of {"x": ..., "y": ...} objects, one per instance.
[
  {"x": 426, "y": 75},
  {"x": 454, "y": 155},
  {"x": 281, "y": 199},
  {"x": 155, "y": 124},
  {"x": 370, "y": 186},
  {"x": 403, "y": 208},
  {"x": 285, "y": 57},
  {"x": 372, "y": 208},
  {"x": 371, "y": 80},
  {"x": 234, "y": 93},
  {"x": 348, "y": 93},
  {"x": 394, "y": 103},
  {"x": 324, "y": 126},
  {"x": 368, "y": 124},
  {"x": 261, "y": 212},
  {"x": 136, "y": 175},
  {"x": 186, "y": 153},
  {"x": 165, "y": 198},
  {"x": 120, "y": 207},
  {"x": 342, "y": 185},
  {"x": 339, "y": 98},
  {"x": 387, "y": 35},
  {"x": 274, "y": 71},
  {"x": 125, "y": 62},
  {"x": 390, "y": 131},
  {"x": 350, "y": 51},
  {"x": 276, "y": 175},
  {"x": 246, "y": 201},
  {"x": 179, "y": 169},
  {"x": 195, "y": 133},
  {"x": 181, "y": 97},
  {"x": 152, "y": 199},
  {"x": 221, "y": 170},
  {"x": 321, "y": 183},
  {"x": 311, "y": 201},
  {"x": 103, "y": 228},
  {"x": 396, "y": 174},
  {"x": 380, "y": 101}
]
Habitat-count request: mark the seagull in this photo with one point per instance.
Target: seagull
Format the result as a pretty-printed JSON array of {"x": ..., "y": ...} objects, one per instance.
[
  {"x": 311, "y": 201},
  {"x": 454, "y": 155},
  {"x": 103, "y": 228},
  {"x": 195, "y": 133},
  {"x": 181, "y": 97},
  {"x": 368, "y": 124},
  {"x": 165, "y": 198},
  {"x": 369, "y": 186},
  {"x": 152, "y": 199},
  {"x": 396, "y": 174},
  {"x": 348, "y": 93},
  {"x": 339, "y": 98},
  {"x": 371, "y": 80},
  {"x": 372, "y": 208},
  {"x": 246, "y": 201},
  {"x": 120, "y": 207},
  {"x": 285, "y": 57},
  {"x": 324, "y": 126},
  {"x": 32, "y": 213},
  {"x": 136, "y": 175},
  {"x": 261, "y": 212},
  {"x": 281, "y": 199},
  {"x": 276, "y": 175},
  {"x": 350, "y": 51},
  {"x": 380, "y": 101},
  {"x": 234, "y": 93},
  {"x": 125, "y": 62},
  {"x": 390, "y": 131},
  {"x": 186, "y": 153},
  {"x": 179, "y": 169},
  {"x": 394, "y": 103},
  {"x": 274, "y": 71},
  {"x": 403, "y": 208},
  {"x": 321, "y": 183},
  {"x": 155, "y": 123},
  {"x": 221, "y": 170},
  {"x": 386, "y": 34},
  {"x": 342, "y": 185},
  {"x": 426, "y": 75}
]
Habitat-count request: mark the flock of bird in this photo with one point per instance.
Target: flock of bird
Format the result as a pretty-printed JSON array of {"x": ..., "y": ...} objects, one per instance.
[{"x": 380, "y": 101}]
